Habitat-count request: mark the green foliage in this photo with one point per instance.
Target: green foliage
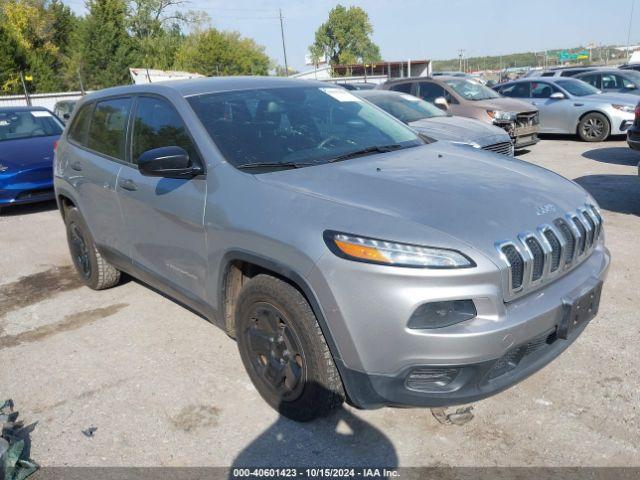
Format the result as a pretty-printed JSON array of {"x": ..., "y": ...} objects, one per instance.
[
  {"x": 345, "y": 38},
  {"x": 55, "y": 48},
  {"x": 213, "y": 52},
  {"x": 105, "y": 45}
]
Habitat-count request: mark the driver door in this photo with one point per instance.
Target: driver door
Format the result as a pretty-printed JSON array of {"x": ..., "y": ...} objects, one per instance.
[
  {"x": 164, "y": 216},
  {"x": 554, "y": 112}
]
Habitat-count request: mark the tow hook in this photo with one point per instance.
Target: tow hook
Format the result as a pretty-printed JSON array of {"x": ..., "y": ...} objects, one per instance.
[{"x": 459, "y": 417}]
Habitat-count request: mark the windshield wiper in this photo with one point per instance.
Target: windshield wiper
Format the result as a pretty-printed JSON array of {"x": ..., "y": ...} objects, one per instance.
[
  {"x": 283, "y": 165},
  {"x": 366, "y": 151}
]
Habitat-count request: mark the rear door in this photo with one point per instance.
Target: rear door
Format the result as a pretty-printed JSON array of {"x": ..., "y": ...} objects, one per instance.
[
  {"x": 164, "y": 216},
  {"x": 96, "y": 152}
]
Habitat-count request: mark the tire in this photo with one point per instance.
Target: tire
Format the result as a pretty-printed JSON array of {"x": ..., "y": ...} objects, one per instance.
[
  {"x": 284, "y": 351},
  {"x": 93, "y": 270},
  {"x": 594, "y": 127}
]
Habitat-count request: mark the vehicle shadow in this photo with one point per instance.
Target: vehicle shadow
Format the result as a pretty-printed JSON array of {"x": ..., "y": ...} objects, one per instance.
[
  {"x": 340, "y": 439},
  {"x": 614, "y": 155},
  {"x": 28, "y": 209},
  {"x": 616, "y": 193}
]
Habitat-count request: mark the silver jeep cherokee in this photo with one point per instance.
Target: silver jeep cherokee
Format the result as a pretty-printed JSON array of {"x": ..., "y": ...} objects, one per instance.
[{"x": 348, "y": 256}]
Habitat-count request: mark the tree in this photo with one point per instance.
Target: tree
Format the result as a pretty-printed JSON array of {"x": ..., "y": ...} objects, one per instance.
[
  {"x": 345, "y": 38},
  {"x": 212, "y": 52},
  {"x": 105, "y": 45}
]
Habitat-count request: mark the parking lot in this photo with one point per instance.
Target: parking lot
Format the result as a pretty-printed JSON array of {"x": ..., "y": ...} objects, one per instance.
[{"x": 162, "y": 386}]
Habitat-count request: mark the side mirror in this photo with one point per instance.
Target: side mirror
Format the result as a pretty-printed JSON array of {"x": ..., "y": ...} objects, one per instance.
[
  {"x": 557, "y": 96},
  {"x": 630, "y": 86},
  {"x": 441, "y": 103},
  {"x": 167, "y": 162}
]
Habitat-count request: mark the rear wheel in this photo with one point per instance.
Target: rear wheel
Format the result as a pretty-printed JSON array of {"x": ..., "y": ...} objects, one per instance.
[
  {"x": 94, "y": 271},
  {"x": 594, "y": 127},
  {"x": 284, "y": 350}
]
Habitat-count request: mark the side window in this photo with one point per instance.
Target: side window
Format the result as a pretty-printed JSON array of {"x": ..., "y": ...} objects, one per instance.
[
  {"x": 80, "y": 126},
  {"x": 548, "y": 74},
  {"x": 611, "y": 82},
  {"x": 516, "y": 90},
  {"x": 157, "y": 124},
  {"x": 108, "y": 129},
  {"x": 542, "y": 90},
  {"x": 430, "y": 91},
  {"x": 402, "y": 87},
  {"x": 592, "y": 79}
]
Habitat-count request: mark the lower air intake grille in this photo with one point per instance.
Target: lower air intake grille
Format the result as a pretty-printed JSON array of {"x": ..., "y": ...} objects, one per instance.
[{"x": 516, "y": 263}]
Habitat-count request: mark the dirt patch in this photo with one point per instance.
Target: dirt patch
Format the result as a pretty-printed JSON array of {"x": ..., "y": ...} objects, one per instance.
[
  {"x": 37, "y": 287},
  {"x": 193, "y": 417},
  {"x": 73, "y": 321},
  {"x": 84, "y": 395}
]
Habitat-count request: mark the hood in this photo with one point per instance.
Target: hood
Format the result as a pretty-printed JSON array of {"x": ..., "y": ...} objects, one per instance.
[
  {"x": 505, "y": 104},
  {"x": 623, "y": 98},
  {"x": 27, "y": 153},
  {"x": 472, "y": 195},
  {"x": 461, "y": 129}
]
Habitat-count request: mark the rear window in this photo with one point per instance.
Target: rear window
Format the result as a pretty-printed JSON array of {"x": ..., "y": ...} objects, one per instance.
[
  {"x": 20, "y": 124},
  {"x": 80, "y": 125},
  {"x": 108, "y": 128}
]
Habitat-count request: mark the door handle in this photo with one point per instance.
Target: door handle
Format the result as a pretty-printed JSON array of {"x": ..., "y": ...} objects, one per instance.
[
  {"x": 76, "y": 166},
  {"x": 128, "y": 185}
]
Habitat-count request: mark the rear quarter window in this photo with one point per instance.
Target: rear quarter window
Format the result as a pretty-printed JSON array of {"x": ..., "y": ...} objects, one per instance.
[
  {"x": 108, "y": 127},
  {"x": 80, "y": 125}
]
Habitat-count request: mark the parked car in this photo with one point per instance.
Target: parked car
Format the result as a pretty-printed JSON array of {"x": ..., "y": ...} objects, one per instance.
[
  {"x": 63, "y": 109},
  {"x": 630, "y": 66},
  {"x": 348, "y": 257},
  {"x": 429, "y": 120},
  {"x": 469, "y": 76},
  {"x": 467, "y": 98},
  {"x": 633, "y": 133},
  {"x": 358, "y": 86},
  {"x": 562, "y": 71},
  {"x": 27, "y": 139},
  {"x": 612, "y": 80},
  {"x": 572, "y": 106}
]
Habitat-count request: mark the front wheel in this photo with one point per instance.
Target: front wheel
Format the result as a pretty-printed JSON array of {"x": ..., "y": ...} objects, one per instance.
[
  {"x": 594, "y": 127},
  {"x": 284, "y": 350}
]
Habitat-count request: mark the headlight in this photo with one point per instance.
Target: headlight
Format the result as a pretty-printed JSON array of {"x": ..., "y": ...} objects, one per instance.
[
  {"x": 624, "y": 108},
  {"x": 371, "y": 250},
  {"x": 502, "y": 116}
]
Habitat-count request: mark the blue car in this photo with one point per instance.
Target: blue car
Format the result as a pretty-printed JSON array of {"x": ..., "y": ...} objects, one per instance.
[{"x": 28, "y": 136}]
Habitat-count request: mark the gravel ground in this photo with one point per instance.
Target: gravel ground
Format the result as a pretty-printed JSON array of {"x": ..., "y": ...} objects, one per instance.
[{"x": 165, "y": 388}]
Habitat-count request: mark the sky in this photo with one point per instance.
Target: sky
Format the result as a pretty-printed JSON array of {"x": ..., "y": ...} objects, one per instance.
[{"x": 430, "y": 29}]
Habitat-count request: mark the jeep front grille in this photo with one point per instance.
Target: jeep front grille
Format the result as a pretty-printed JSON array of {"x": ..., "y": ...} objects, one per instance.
[
  {"x": 504, "y": 148},
  {"x": 537, "y": 257}
]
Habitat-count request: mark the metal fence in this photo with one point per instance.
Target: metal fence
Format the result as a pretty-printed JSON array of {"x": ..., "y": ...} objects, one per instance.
[{"x": 47, "y": 100}]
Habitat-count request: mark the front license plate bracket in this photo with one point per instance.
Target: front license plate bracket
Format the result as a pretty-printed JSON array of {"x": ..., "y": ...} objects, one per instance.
[{"x": 579, "y": 309}]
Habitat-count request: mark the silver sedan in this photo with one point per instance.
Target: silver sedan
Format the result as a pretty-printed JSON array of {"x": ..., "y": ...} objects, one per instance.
[
  {"x": 572, "y": 106},
  {"x": 429, "y": 120}
]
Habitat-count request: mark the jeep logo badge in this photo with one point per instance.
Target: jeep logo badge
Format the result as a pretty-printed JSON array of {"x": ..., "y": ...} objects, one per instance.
[{"x": 544, "y": 209}]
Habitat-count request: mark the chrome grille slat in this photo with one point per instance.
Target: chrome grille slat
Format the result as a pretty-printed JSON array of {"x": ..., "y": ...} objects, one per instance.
[
  {"x": 503, "y": 148},
  {"x": 537, "y": 257}
]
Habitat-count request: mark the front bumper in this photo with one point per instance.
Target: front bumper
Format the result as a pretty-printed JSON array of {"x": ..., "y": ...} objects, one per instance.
[
  {"x": 26, "y": 187},
  {"x": 633, "y": 137},
  {"x": 377, "y": 351},
  {"x": 521, "y": 135}
]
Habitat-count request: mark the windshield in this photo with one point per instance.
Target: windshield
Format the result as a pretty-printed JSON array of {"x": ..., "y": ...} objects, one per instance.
[
  {"x": 296, "y": 125},
  {"x": 18, "y": 124},
  {"x": 404, "y": 107},
  {"x": 577, "y": 88},
  {"x": 471, "y": 90}
]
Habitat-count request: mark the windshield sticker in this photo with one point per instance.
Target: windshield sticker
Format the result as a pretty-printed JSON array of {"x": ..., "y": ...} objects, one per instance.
[
  {"x": 411, "y": 98},
  {"x": 341, "y": 95},
  {"x": 40, "y": 114}
]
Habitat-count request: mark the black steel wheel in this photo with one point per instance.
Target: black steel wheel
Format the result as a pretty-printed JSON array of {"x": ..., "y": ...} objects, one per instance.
[
  {"x": 284, "y": 350},
  {"x": 594, "y": 127},
  {"x": 92, "y": 268}
]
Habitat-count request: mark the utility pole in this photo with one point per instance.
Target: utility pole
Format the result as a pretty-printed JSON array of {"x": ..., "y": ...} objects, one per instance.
[
  {"x": 629, "y": 31},
  {"x": 81, "y": 84},
  {"x": 284, "y": 48},
  {"x": 24, "y": 87},
  {"x": 461, "y": 57}
]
